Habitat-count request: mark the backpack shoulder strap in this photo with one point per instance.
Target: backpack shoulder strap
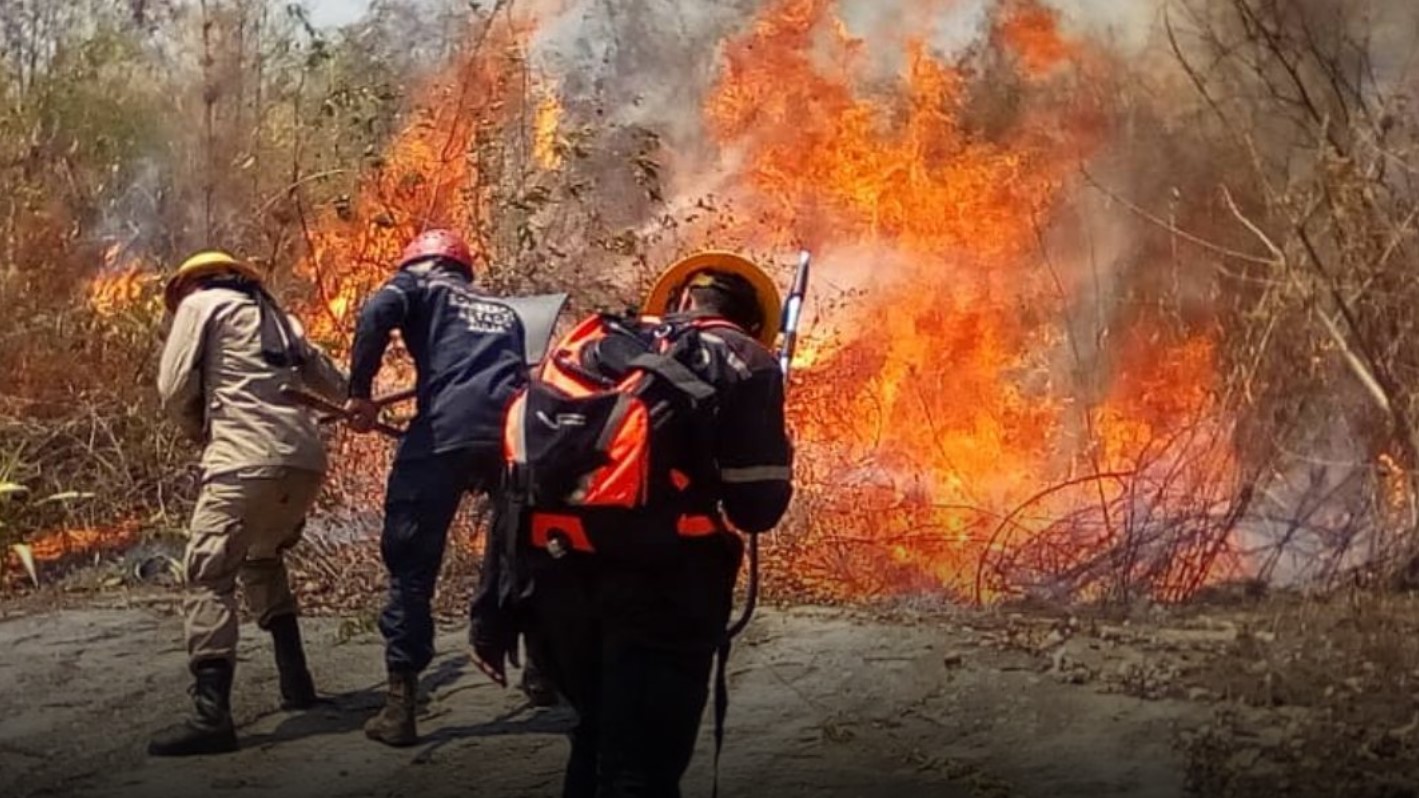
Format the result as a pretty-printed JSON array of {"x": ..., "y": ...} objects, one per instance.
[
  {"x": 675, "y": 373},
  {"x": 566, "y": 354},
  {"x": 663, "y": 337}
]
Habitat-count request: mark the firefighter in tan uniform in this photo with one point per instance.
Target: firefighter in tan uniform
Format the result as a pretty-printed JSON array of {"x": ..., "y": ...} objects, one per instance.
[{"x": 229, "y": 352}]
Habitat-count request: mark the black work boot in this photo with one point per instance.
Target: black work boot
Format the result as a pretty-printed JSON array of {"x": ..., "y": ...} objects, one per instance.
[
  {"x": 537, "y": 687},
  {"x": 297, "y": 688},
  {"x": 210, "y": 731},
  {"x": 394, "y": 725}
]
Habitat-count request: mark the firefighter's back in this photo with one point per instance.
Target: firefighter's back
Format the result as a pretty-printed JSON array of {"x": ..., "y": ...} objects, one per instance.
[
  {"x": 468, "y": 353},
  {"x": 250, "y": 424}
]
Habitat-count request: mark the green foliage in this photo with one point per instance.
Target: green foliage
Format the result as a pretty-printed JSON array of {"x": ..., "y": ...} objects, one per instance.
[{"x": 95, "y": 105}]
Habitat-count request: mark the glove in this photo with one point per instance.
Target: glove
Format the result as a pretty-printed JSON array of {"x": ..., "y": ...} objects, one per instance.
[{"x": 361, "y": 414}]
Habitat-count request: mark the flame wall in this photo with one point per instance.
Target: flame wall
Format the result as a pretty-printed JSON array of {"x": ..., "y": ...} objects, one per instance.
[
  {"x": 957, "y": 428},
  {"x": 951, "y": 433}
]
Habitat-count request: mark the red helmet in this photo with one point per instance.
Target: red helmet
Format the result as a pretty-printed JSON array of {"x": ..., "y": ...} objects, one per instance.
[{"x": 438, "y": 244}]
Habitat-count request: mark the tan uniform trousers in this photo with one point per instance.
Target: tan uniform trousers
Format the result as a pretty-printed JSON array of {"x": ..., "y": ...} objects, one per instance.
[{"x": 243, "y": 523}]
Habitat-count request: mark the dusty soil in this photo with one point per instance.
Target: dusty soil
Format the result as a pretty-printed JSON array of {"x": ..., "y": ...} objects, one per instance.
[{"x": 824, "y": 703}]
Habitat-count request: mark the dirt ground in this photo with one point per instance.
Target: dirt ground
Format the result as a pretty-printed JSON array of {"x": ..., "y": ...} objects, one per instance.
[{"x": 823, "y": 703}]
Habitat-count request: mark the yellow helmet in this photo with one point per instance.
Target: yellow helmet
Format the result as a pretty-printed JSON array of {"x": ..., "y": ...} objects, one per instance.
[
  {"x": 676, "y": 278},
  {"x": 204, "y": 264}
]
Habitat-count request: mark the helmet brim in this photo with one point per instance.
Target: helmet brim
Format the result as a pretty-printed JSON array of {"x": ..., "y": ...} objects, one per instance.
[
  {"x": 202, "y": 265},
  {"x": 673, "y": 280}
]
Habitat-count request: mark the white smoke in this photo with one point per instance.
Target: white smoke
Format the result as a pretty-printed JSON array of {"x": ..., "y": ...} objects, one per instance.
[
  {"x": 638, "y": 62},
  {"x": 132, "y": 219},
  {"x": 1125, "y": 25}
]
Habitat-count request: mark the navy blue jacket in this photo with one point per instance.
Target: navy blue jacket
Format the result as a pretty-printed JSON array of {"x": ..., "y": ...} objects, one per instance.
[
  {"x": 467, "y": 350},
  {"x": 753, "y": 452}
]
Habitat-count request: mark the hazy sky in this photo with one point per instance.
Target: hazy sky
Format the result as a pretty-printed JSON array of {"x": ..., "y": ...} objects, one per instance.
[{"x": 336, "y": 12}]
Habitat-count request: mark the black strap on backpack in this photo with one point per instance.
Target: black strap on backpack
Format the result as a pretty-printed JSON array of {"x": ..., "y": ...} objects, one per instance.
[
  {"x": 721, "y": 657},
  {"x": 674, "y": 372},
  {"x": 279, "y": 346}
]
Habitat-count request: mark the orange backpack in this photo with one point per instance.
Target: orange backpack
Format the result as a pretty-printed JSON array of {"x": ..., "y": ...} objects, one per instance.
[{"x": 604, "y": 424}]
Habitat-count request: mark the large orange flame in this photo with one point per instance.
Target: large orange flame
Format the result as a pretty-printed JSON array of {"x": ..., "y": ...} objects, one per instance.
[
  {"x": 950, "y": 434},
  {"x": 427, "y": 178},
  {"x": 941, "y": 443}
]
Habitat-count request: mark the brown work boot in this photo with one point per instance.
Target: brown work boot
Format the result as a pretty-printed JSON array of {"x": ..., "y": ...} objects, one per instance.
[{"x": 394, "y": 725}]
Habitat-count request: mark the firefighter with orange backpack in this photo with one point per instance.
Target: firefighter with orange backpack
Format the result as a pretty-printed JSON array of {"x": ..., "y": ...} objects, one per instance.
[{"x": 632, "y": 454}]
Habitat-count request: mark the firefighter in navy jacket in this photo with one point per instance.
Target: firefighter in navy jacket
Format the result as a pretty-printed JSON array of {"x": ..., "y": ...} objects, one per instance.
[
  {"x": 469, "y": 359},
  {"x": 628, "y": 634}
]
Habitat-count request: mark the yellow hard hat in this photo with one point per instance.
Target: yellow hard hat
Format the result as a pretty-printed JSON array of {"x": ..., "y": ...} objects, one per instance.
[
  {"x": 204, "y": 264},
  {"x": 674, "y": 279}
]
